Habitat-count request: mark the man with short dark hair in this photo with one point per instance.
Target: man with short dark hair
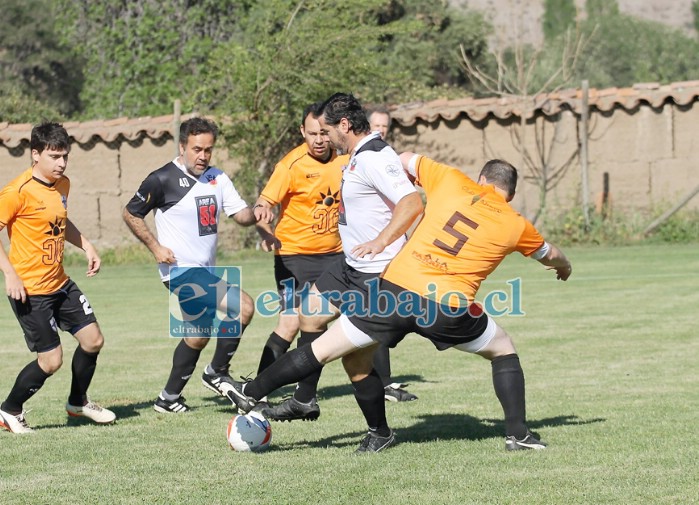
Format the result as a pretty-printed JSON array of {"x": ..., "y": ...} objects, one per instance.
[
  {"x": 33, "y": 207},
  {"x": 380, "y": 121},
  {"x": 378, "y": 205},
  {"x": 305, "y": 185},
  {"x": 188, "y": 196}
]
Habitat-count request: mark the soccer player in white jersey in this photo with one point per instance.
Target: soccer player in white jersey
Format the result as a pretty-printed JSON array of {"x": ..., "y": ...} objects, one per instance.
[
  {"x": 187, "y": 196},
  {"x": 378, "y": 205}
]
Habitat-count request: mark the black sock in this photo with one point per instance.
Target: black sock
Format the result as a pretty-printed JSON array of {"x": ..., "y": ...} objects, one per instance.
[
  {"x": 28, "y": 382},
  {"x": 275, "y": 347},
  {"x": 289, "y": 368},
  {"x": 225, "y": 350},
  {"x": 83, "y": 368},
  {"x": 307, "y": 388},
  {"x": 382, "y": 364},
  {"x": 369, "y": 395},
  {"x": 508, "y": 381},
  {"x": 184, "y": 361}
]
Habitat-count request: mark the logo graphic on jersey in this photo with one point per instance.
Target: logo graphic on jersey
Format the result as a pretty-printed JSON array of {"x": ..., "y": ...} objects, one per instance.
[
  {"x": 207, "y": 215},
  {"x": 326, "y": 218},
  {"x": 393, "y": 170},
  {"x": 56, "y": 227},
  {"x": 211, "y": 179},
  {"x": 64, "y": 201},
  {"x": 328, "y": 199},
  {"x": 353, "y": 165},
  {"x": 476, "y": 198}
]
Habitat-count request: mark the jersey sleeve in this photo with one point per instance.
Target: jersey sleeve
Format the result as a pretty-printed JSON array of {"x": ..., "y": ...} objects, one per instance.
[
  {"x": 430, "y": 174},
  {"x": 278, "y": 184},
  {"x": 232, "y": 201},
  {"x": 390, "y": 179},
  {"x": 530, "y": 240},
  {"x": 10, "y": 204},
  {"x": 148, "y": 197}
]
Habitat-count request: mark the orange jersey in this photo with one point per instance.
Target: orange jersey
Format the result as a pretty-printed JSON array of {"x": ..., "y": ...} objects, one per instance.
[
  {"x": 466, "y": 231},
  {"x": 35, "y": 216},
  {"x": 308, "y": 192}
]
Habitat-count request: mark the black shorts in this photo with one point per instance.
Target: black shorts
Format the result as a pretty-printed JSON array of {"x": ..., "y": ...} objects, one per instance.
[
  {"x": 41, "y": 316},
  {"x": 293, "y": 272},
  {"x": 347, "y": 288},
  {"x": 390, "y": 322}
]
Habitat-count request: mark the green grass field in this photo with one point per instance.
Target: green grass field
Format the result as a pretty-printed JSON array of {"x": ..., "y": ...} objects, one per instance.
[{"x": 610, "y": 359}]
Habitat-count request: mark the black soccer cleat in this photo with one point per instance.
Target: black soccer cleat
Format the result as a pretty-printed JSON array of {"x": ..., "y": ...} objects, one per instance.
[
  {"x": 528, "y": 442},
  {"x": 374, "y": 443},
  {"x": 170, "y": 407},
  {"x": 395, "y": 393},
  {"x": 238, "y": 398},
  {"x": 292, "y": 409},
  {"x": 220, "y": 383}
]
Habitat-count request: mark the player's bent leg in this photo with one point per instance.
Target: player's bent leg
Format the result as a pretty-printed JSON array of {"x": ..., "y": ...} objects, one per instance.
[
  {"x": 508, "y": 381},
  {"x": 341, "y": 338},
  {"x": 316, "y": 312},
  {"x": 83, "y": 368}
]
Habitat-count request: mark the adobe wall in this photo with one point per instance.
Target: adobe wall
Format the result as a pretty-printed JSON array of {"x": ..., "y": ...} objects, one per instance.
[{"x": 649, "y": 154}]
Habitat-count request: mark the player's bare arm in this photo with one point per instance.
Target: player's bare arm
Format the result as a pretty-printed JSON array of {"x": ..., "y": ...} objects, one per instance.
[
  {"x": 139, "y": 228},
  {"x": 76, "y": 238},
  {"x": 245, "y": 217},
  {"x": 407, "y": 209},
  {"x": 556, "y": 260},
  {"x": 14, "y": 287}
]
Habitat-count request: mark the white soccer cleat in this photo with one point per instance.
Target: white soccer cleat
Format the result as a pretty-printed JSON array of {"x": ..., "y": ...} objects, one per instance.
[
  {"x": 92, "y": 411},
  {"x": 14, "y": 423}
]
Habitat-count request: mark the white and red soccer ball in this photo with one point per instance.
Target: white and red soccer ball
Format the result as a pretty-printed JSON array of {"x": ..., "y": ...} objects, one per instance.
[{"x": 249, "y": 433}]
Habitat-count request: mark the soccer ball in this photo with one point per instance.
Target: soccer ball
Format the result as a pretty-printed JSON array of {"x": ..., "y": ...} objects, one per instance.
[{"x": 249, "y": 433}]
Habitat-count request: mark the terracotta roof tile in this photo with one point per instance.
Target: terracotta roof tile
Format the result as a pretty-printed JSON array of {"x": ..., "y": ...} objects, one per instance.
[{"x": 477, "y": 109}]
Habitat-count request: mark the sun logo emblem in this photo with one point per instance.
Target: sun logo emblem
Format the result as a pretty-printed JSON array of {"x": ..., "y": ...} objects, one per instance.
[
  {"x": 328, "y": 199},
  {"x": 56, "y": 227}
]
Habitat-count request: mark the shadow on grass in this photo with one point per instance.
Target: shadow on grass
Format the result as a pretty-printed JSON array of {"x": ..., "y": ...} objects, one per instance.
[{"x": 432, "y": 427}]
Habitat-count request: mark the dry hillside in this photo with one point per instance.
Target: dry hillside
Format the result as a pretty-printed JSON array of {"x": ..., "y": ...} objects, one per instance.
[{"x": 522, "y": 18}]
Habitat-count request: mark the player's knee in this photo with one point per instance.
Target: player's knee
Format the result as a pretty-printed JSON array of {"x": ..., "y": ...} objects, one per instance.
[
  {"x": 357, "y": 365},
  {"x": 90, "y": 338},
  {"x": 247, "y": 308},
  {"x": 197, "y": 343},
  {"x": 50, "y": 362}
]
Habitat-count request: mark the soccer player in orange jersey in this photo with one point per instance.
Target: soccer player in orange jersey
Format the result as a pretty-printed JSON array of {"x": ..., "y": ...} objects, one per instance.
[
  {"x": 305, "y": 185},
  {"x": 33, "y": 208},
  {"x": 467, "y": 230}
]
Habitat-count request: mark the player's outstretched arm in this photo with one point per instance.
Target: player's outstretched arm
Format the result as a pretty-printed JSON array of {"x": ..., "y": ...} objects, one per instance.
[
  {"x": 76, "y": 238},
  {"x": 245, "y": 217},
  {"x": 556, "y": 260}
]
